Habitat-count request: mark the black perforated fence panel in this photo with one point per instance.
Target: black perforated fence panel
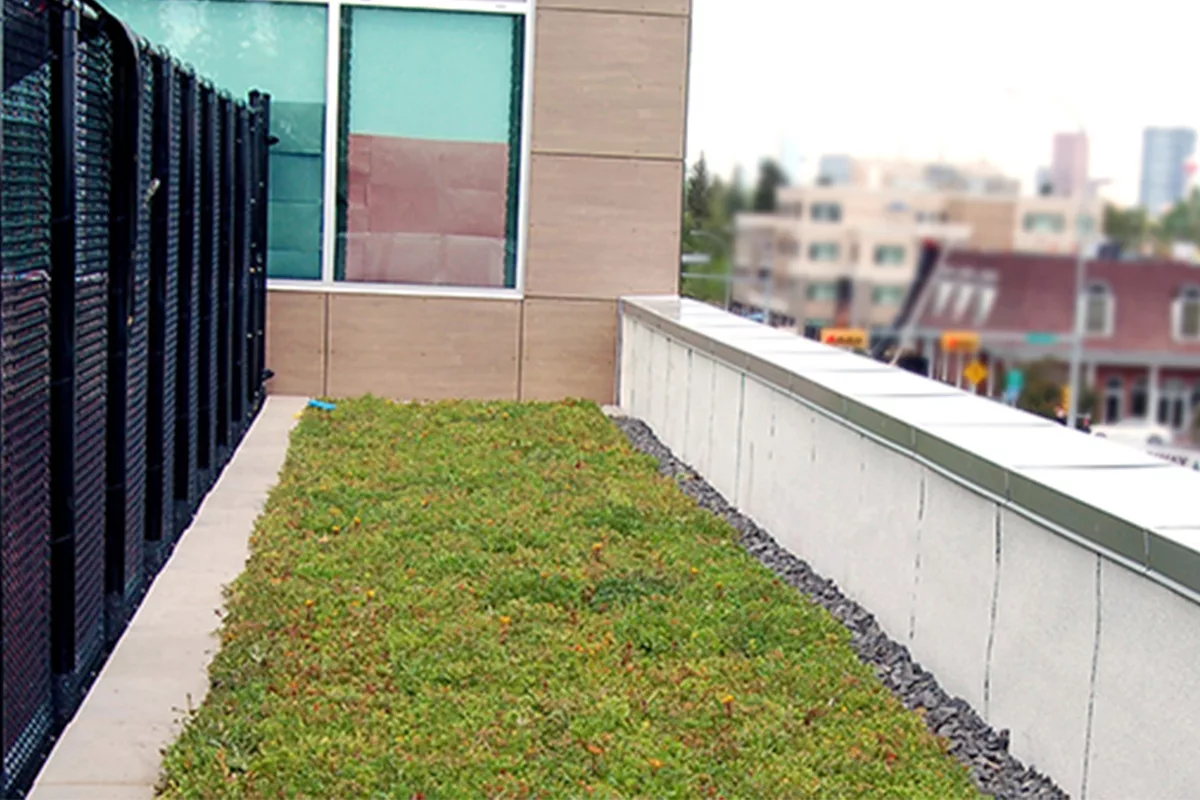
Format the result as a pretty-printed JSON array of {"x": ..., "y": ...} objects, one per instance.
[
  {"x": 226, "y": 203},
  {"x": 93, "y": 159},
  {"x": 129, "y": 282},
  {"x": 164, "y": 314},
  {"x": 25, "y": 164},
  {"x": 132, "y": 311},
  {"x": 207, "y": 300},
  {"x": 187, "y": 395}
]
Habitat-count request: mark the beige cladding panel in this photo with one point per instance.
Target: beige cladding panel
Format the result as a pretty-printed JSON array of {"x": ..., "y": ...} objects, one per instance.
[
  {"x": 610, "y": 84},
  {"x": 569, "y": 350},
  {"x": 603, "y": 228},
  {"x": 296, "y": 342},
  {"x": 423, "y": 348},
  {"x": 675, "y": 7},
  {"x": 993, "y": 224}
]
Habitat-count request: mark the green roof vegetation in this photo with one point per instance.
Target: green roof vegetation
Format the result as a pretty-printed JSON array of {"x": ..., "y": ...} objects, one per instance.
[{"x": 506, "y": 600}]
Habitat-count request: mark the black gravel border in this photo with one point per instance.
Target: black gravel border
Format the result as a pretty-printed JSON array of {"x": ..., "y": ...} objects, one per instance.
[{"x": 975, "y": 743}]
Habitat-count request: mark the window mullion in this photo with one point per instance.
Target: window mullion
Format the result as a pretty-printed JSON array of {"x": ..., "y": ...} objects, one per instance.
[{"x": 333, "y": 76}]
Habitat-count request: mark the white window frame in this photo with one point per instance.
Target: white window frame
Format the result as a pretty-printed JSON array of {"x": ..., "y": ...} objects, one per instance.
[
  {"x": 823, "y": 204},
  {"x": 1034, "y": 230},
  {"x": 333, "y": 46},
  {"x": 896, "y": 292},
  {"x": 894, "y": 247},
  {"x": 1110, "y": 308},
  {"x": 1186, "y": 293},
  {"x": 837, "y": 252}
]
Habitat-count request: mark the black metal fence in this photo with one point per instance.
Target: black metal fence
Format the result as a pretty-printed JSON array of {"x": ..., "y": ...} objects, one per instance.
[{"x": 133, "y": 229}]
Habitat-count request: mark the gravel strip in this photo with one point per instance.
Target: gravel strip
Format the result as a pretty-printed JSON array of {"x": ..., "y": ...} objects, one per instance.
[{"x": 972, "y": 741}]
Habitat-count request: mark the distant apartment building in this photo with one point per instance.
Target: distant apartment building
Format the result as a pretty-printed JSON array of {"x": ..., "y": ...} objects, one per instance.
[
  {"x": 792, "y": 261},
  {"x": 1165, "y": 154},
  {"x": 868, "y": 238},
  {"x": 1069, "y": 164}
]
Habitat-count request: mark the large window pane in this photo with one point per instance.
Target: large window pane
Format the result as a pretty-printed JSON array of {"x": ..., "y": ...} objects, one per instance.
[
  {"x": 430, "y": 135},
  {"x": 276, "y": 48}
]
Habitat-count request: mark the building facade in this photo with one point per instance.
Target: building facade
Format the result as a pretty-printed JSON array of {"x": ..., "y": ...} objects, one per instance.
[
  {"x": 1069, "y": 164},
  {"x": 1165, "y": 153},
  {"x": 792, "y": 261},
  {"x": 870, "y": 239},
  {"x": 450, "y": 216},
  {"x": 1141, "y": 353}
]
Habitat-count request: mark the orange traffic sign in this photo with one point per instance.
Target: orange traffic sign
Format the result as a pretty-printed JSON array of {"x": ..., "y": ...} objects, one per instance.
[
  {"x": 854, "y": 338},
  {"x": 960, "y": 342},
  {"x": 975, "y": 373}
]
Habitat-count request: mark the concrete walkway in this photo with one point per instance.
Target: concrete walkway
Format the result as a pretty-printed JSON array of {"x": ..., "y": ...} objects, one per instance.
[{"x": 112, "y": 749}]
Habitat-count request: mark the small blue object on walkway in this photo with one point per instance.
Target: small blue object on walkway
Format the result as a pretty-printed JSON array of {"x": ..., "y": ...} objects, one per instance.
[{"x": 321, "y": 404}]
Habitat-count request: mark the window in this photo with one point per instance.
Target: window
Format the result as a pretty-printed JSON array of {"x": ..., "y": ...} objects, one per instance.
[
  {"x": 1138, "y": 399},
  {"x": 889, "y": 254},
  {"x": 792, "y": 209},
  {"x": 827, "y": 212},
  {"x": 278, "y": 48},
  {"x": 788, "y": 247},
  {"x": 1114, "y": 399},
  {"x": 824, "y": 251},
  {"x": 1187, "y": 314},
  {"x": 1086, "y": 225},
  {"x": 966, "y": 291},
  {"x": 430, "y": 146},
  {"x": 1171, "y": 403},
  {"x": 941, "y": 298},
  {"x": 1098, "y": 310},
  {"x": 987, "y": 301},
  {"x": 888, "y": 295},
  {"x": 415, "y": 180},
  {"x": 1041, "y": 222},
  {"x": 822, "y": 292}
]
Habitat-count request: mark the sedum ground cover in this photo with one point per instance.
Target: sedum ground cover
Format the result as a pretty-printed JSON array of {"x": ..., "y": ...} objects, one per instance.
[{"x": 466, "y": 600}]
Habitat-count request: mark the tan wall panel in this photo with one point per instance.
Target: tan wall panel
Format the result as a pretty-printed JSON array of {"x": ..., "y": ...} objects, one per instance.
[
  {"x": 296, "y": 342},
  {"x": 603, "y": 228},
  {"x": 612, "y": 84},
  {"x": 993, "y": 224},
  {"x": 423, "y": 348},
  {"x": 680, "y": 7},
  {"x": 570, "y": 350}
]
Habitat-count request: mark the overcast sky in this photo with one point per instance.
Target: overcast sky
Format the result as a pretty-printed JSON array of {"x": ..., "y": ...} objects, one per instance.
[{"x": 797, "y": 78}]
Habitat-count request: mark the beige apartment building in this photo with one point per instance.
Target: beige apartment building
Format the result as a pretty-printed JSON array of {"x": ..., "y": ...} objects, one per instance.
[{"x": 871, "y": 229}]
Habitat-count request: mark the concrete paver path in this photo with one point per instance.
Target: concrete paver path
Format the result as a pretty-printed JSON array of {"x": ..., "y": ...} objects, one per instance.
[{"x": 112, "y": 749}]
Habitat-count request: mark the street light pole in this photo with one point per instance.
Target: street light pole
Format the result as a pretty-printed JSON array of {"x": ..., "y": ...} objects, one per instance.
[{"x": 1076, "y": 365}]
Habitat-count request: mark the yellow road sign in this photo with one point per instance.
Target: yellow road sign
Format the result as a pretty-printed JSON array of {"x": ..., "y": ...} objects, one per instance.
[
  {"x": 975, "y": 373},
  {"x": 960, "y": 342},
  {"x": 855, "y": 338}
]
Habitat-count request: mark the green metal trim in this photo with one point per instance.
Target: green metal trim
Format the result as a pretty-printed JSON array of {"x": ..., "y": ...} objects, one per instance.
[{"x": 515, "y": 156}]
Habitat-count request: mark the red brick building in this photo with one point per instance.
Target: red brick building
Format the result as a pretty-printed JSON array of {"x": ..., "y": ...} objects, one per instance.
[{"x": 1142, "y": 319}]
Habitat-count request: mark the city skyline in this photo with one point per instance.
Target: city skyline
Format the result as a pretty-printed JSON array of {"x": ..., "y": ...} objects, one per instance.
[{"x": 770, "y": 78}]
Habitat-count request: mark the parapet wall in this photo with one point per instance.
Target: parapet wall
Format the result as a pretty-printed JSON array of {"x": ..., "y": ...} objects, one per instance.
[{"x": 1049, "y": 578}]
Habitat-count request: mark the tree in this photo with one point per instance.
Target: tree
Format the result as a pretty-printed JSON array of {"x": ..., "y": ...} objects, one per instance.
[
  {"x": 699, "y": 193},
  {"x": 770, "y": 177},
  {"x": 1127, "y": 226},
  {"x": 1042, "y": 392},
  {"x": 735, "y": 197}
]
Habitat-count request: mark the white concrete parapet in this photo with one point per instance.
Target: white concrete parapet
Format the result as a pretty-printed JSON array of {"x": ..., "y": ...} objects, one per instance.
[{"x": 1049, "y": 578}]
